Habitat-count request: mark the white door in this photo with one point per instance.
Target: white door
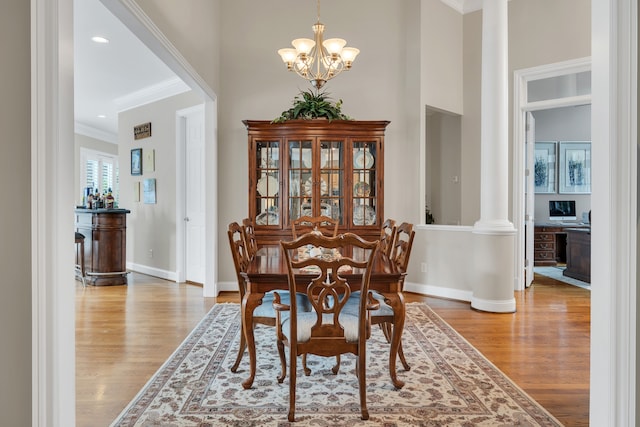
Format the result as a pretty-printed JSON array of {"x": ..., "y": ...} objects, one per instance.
[
  {"x": 194, "y": 197},
  {"x": 529, "y": 208}
]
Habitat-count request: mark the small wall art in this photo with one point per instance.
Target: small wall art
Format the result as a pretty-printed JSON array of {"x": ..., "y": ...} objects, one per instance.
[
  {"x": 136, "y": 191},
  {"x": 575, "y": 168},
  {"x": 544, "y": 167},
  {"x": 142, "y": 131},
  {"x": 149, "y": 191},
  {"x": 149, "y": 163},
  {"x": 136, "y": 161}
]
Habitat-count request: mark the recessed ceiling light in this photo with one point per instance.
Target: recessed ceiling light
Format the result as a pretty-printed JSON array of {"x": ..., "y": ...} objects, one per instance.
[
  {"x": 99, "y": 39},
  {"x": 102, "y": 116}
]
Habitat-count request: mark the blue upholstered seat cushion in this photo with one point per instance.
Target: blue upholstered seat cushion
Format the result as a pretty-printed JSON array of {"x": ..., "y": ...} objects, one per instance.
[
  {"x": 266, "y": 308},
  {"x": 307, "y": 319},
  {"x": 353, "y": 305}
]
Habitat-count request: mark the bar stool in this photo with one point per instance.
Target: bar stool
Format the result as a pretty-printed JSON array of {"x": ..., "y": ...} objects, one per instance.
[{"x": 80, "y": 273}]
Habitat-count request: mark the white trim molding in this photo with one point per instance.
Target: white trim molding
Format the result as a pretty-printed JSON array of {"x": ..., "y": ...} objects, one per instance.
[
  {"x": 53, "y": 299},
  {"x": 91, "y": 132},
  {"x": 168, "y": 88},
  {"x": 614, "y": 234}
]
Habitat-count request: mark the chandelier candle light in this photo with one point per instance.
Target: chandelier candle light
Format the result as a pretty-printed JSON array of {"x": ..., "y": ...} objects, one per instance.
[{"x": 317, "y": 60}]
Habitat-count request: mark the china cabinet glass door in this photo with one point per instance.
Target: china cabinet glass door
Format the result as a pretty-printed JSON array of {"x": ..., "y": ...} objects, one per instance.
[
  {"x": 332, "y": 180},
  {"x": 364, "y": 183},
  {"x": 267, "y": 183},
  {"x": 316, "y": 175}
]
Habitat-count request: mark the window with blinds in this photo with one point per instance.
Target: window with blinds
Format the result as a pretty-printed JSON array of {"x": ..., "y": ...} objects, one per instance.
[{"x": 98, "y": 171}]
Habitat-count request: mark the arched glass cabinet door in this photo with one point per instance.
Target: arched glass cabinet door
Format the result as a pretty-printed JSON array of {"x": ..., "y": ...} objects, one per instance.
[
  {"x": 267, "y": 199},
  {"x": 364, "y": 194}
]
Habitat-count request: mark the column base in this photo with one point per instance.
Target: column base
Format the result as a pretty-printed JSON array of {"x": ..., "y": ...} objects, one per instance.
[{"x": 494, "y": 306}]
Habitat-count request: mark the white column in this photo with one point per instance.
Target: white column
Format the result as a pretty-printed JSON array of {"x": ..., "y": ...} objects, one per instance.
[{"x": 495, "y": 235}]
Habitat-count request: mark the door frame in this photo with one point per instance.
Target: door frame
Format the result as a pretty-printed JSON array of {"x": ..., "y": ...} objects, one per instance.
[{"x": 521, "y": 78}]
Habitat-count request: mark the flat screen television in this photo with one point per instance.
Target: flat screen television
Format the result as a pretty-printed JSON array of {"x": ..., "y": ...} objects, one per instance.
[{"x": 562, "y": 210}]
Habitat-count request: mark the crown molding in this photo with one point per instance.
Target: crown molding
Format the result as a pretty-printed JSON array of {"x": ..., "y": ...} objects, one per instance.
[
  {"x": 91, "y": 132},
  {"x": 170, "y": 87},
  {"x": 464, "y": 6}
]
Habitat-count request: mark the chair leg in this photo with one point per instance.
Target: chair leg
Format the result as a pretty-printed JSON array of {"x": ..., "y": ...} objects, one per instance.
[
  {"x": 402, "y": 359},
  {"x": 241, "y": 349},
  {"x": 362, "y": 383},
  {"x": 292, "y": 385},
  {"x": 336, "y": 368},
  {"x": 283, "y": 361},
  {"x": 305, "y": 368}
]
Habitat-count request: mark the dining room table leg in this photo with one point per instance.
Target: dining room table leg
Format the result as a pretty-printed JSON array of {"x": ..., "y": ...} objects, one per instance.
[
  {"x": 250, "y": 301},
  {"x": 396, "y": 301}
]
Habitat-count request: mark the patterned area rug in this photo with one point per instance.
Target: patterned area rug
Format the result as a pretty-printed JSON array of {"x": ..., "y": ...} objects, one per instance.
[{"x": 449, "y": 384}]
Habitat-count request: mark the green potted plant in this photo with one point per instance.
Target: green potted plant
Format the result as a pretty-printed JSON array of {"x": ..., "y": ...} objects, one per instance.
[{"x": 308, "y": 105}]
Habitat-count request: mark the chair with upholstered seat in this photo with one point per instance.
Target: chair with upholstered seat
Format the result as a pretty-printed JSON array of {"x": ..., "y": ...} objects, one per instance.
[
  {"x": 326, "y": 225},
  {"x": 327, "y": 330},
  {"x": 384, "y": 315},
  {"x": 263, "y": 314},
  {"x": 400, "y": 254}
]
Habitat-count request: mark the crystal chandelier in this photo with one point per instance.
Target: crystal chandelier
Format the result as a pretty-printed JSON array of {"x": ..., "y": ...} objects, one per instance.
[{"x": 317, "y": 60}]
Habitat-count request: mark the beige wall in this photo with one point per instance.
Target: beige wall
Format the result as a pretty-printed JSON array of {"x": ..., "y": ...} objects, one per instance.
[
  {"x": 152, "y": 226},
  {"x": 443, "y": 167},
  {"x": 193, "y": 27},
  {"x": 441, "y": 56},
  {"x": 15, "y": 227}
]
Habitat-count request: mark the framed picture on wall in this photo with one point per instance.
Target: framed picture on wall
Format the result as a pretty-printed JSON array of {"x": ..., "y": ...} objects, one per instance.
[
  {"x": 136, "y": 161},
  {"x": 544, "y": 167},
  {"x": 575, "y": 167}
]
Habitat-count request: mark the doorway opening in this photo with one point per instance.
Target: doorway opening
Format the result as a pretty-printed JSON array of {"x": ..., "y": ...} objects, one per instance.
[{"x": 546, "y": 88}]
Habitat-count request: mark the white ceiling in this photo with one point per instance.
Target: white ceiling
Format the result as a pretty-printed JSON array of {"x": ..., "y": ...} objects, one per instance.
[{"x": 113, "y": 77}]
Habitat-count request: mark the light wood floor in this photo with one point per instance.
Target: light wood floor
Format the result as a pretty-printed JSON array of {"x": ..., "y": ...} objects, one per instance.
[{"x": 125, "y": 333}]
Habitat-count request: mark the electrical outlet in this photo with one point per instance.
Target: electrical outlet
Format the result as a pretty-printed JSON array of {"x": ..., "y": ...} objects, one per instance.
[
  {"x": 423, "y": 267},
  {"x": 150, "y": 253}
]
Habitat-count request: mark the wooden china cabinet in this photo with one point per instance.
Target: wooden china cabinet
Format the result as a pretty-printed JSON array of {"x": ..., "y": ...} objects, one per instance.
[{"x": 316, "y": 167}]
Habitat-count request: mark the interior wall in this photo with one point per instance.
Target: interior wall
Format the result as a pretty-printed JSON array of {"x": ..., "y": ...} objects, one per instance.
[
  {"x": 193, "y": 27},
  {"x": 15, "y": 227},
  {"x": 441, "y": 56},
  {"x": 562, "y": 124},
  {"x": 151, "y": 228},
  {"x": 443, "y": 139}
]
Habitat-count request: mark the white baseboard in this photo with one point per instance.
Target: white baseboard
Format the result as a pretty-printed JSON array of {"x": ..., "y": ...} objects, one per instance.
[
  {"x": 152, "y": 271},
  {"x": 436, "y": 291},
  {"x": 227, "y": 287}
]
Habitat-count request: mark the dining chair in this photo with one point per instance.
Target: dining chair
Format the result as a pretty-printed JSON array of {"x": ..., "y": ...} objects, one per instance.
[
  {"x": 384, "y": 315},
  {"x": 304, "y": 224},
  {"x": 400, "y": 254},
  {"x": 326, "y": 330},
  {"x": 249, "y": 229},
  {"x": 387, "y": 236},
  {"x": 263, "y": 314}
]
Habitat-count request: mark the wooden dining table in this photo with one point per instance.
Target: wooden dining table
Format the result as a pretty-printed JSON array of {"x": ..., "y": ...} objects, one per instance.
[{"x": 267, "y": 271}]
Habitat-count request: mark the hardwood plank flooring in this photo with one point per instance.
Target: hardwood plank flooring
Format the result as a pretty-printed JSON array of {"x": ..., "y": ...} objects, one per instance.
[{"x": 125, "y": 333}]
